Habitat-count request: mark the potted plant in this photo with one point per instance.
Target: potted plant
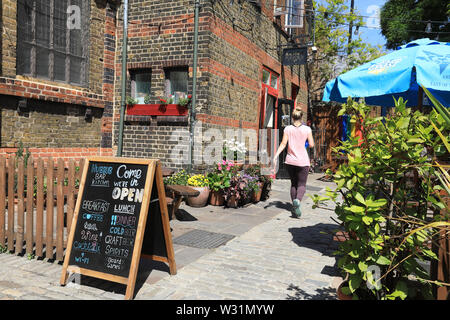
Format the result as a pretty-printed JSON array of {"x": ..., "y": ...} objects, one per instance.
[
  {"x": 252, "y": 188},
  {"x": 131, "y": 101},
  {"x": 238, "y": 192},
  {"x": 256, "y": 183},
  {"x": 179, "y": 178},
  {"x": 234, "y": 150},
  {"x": 200, "y": 183},
  {"x": 219, "y": 180},
  {"x": 184, "y": 101},
  {"x": 385, "y": 211},
  {"x": 166, "y": 100},
  {"x": 232, "y": 195}
]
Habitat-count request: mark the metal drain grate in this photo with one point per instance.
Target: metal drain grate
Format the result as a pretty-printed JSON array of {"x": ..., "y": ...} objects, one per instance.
[{"x": 203, "y": 239}]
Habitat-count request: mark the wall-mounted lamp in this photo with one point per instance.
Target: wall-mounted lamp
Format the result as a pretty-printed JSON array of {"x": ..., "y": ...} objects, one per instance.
[
  {"x": 22, "y": 105},
  {"x": 88, "y": 114},
  {"x": 428, "y": 29}
]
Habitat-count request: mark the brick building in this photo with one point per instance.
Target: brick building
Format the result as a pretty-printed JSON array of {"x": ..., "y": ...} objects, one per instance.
[
  {"x": 57, "y": 77},
  {"x": 240, "y": 77},
  {"x": 61, "y": 62}
]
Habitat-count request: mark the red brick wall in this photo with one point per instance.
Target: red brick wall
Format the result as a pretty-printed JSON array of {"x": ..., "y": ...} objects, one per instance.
[{"x": 65, "y": 153}]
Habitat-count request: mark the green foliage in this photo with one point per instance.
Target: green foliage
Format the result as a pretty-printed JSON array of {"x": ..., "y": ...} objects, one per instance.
[
  {"x": 385, "y": 198},
  {"x": 403, "y": 21},
  {"x": 333, "y": 46},
  {"x": 184, "y": 101},
  {"x": 3, "y": 249},
  {"x": 131, "y": 101},
  {"x": 220, "y": 177},
  {"x": 179, "y": 178}
]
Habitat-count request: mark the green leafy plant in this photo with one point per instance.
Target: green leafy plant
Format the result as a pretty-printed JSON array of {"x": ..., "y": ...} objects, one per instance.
[
  {"x": 387, "y": 202},
  {"x": 3, "y": 249},
  {"x": 184, "y": 101},
  {"x": 179, "y": 178},
  {"x": 147, "y": 99},
  {"x": 220, "y": 177},
  {"x": 131, "y": 101}
]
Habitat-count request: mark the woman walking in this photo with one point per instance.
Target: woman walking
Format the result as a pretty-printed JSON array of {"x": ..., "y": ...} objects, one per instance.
[{"x": 297, "y": 159}]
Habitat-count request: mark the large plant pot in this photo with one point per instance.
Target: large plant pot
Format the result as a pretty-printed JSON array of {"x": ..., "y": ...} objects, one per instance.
[
  {"x": 216, "y": 198},
  {"x": 256, "y": 195},
  {"x": 232, "y": 202},
  {"x": 201, "y": 200},
  {"x": 266, "y": 188},
  {"x": 340, "y": 294}
]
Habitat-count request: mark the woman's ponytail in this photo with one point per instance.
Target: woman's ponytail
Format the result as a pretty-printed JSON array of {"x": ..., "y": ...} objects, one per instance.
[{"x": 297, "y": 114}]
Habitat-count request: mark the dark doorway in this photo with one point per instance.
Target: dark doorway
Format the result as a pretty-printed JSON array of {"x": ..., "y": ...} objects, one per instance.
[{"x": 285, "y": 107}]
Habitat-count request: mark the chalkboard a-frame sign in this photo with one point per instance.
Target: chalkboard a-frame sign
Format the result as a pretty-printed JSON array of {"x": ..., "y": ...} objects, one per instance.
[{"x": 121, "y": 214}]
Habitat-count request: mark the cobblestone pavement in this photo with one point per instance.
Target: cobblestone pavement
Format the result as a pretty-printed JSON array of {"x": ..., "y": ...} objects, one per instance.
[{"x": 270, "y": 256}]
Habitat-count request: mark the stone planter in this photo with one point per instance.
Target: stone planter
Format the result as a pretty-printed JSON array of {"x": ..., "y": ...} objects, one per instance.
[
  {"x": 201, "y": 200},
  {"x": 216, "y": 198}
]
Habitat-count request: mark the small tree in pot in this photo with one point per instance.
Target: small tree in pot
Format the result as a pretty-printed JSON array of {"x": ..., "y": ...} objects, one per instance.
[{"x": 387, "y": 198}]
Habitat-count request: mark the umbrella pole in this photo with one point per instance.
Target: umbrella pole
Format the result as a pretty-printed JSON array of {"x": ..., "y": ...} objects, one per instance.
[{"x": 420, "y": 99}]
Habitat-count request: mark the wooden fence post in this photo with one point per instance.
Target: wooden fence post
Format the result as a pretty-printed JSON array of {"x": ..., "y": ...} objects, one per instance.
[
  {"x": 20, "y": 206},
  {"x": 39, "y": 207},
  {"x": 49, "y": 210},
  {"x": 60, "y": 211},
  {"x": 30, "y": 195},
  {"x": 11, "y": 171}
]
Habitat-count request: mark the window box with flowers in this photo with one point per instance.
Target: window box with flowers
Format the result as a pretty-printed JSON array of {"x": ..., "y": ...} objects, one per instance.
[{"x": 166, "y": 107}]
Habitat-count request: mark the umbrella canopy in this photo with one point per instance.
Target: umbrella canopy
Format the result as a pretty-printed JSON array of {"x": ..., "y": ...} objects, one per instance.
[{"x": 397, "y": 74}]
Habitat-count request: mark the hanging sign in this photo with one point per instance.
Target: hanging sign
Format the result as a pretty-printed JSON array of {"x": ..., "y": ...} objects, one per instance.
[{"x": 294, "y": 56}]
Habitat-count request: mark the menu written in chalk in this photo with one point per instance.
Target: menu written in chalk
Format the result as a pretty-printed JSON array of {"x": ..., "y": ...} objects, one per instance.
[{"x": 108, "y": 217}]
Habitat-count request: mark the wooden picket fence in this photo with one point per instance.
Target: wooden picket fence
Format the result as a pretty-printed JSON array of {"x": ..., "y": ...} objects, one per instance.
[{"x": 37, "y": 201}]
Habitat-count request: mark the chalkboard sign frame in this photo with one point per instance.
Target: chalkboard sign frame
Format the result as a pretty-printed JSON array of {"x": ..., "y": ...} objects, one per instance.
[{"x": 154, "y": 178}]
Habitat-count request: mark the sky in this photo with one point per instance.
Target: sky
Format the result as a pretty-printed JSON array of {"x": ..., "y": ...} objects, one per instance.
[{"x": 369, "y": 9}]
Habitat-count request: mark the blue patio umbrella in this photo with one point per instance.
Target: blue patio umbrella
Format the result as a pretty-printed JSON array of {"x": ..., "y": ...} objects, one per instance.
[{"x": 397, "y": 74}]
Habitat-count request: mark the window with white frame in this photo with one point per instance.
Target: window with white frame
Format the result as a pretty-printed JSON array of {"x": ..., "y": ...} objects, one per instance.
[
  {"x": 141, "y": 85},
  {"x": 176, "y": 84},
  {"x": 295, "y": 13}
]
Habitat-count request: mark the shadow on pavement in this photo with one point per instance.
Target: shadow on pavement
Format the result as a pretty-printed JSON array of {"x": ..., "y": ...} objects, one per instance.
[
  {"x": 146, "y": 267},
  {"x": 318, "y": 237},
  {"x": 183, "y": 215},
  {"x": 320, "y": 294},
  {"x": 279, "y": 204}
]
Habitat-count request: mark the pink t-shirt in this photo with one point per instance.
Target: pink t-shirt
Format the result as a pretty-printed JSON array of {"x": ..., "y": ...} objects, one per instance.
[{"x": 296, "y": 153}]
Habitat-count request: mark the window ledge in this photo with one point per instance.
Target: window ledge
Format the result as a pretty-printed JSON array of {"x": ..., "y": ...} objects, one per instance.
[
  {"x": 47, "y": 92},
  {"x": 157, "y": 110}
]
